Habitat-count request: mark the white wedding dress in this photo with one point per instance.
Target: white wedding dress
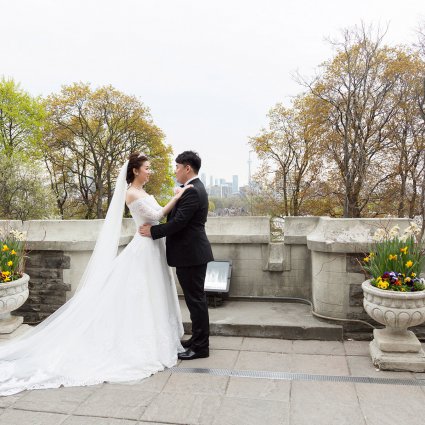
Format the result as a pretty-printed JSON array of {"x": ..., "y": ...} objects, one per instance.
[{"x": 124, "y": 322}]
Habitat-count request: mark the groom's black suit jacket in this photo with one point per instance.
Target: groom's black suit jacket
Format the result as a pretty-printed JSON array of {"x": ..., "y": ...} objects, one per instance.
[{"x": 187, "y": 243}]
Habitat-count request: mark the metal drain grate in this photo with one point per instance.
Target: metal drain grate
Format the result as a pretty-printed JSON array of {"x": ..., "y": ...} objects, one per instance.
[{"x": 287, "y": 376}]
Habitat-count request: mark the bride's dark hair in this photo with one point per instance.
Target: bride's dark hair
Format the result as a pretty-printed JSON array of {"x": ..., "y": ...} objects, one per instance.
[{"x": 135, "y": 160}]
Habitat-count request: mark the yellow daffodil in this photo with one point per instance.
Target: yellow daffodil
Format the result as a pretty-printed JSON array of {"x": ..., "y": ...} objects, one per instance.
[
  {"x": 413, "y": 274},
  {"x": 5, "y": 274},
  {"x": 409, "y": 263},
  {"x": 13, "y": 252},
  {"x": 10, "y": 263},
  {"x": 7, "y": 279},
  {"x": 392, "y": 257},
  {"x": 5, "y": 248},
  {"x": 366, "y": 259},
  {"x": 404, "y": 250},
  {"x": 372, "y": 254}
]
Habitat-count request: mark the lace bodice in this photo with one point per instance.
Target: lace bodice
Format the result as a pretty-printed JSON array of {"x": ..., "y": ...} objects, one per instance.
[{"x": 145, "y": 210}]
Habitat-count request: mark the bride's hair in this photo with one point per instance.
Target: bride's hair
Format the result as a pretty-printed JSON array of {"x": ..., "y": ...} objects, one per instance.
[{"x": 135, "y": 160}]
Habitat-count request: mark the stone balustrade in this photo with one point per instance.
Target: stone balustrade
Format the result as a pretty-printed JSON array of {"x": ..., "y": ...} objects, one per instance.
[{"x": 318, "y": 259}]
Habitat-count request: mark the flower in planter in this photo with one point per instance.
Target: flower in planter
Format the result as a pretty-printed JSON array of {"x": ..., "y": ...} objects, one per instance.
[
  {"x": 12, "y": 253},
  {"x": 396, "y": 260}
]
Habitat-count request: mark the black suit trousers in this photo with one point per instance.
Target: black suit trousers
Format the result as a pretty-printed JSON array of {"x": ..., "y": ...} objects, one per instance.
[{"x": 192, "y": 280}]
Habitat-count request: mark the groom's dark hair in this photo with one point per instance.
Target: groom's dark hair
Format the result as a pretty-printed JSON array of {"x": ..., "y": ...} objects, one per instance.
[{"x": 190, "y": 158}]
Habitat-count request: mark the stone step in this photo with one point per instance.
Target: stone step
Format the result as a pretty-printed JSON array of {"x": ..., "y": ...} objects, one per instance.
[{"x": 264, "y": 319}]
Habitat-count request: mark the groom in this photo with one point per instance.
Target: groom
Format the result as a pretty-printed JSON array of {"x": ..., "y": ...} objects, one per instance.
[{"x": 188, "y": 250}]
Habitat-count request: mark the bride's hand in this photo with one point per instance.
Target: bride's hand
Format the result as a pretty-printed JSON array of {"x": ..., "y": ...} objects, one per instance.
[{"x": 181, "y": 190}]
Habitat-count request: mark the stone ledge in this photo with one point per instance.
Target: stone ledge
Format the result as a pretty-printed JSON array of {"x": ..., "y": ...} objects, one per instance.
[{"x": 348, "y": 235}]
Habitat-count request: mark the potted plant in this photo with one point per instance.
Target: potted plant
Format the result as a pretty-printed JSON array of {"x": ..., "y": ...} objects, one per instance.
[
  {"x": 395, "y": 297},
  {"x": 13, "y": 281}
]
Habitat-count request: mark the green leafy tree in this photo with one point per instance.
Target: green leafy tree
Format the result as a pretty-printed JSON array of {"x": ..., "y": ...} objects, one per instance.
[{"x": 22, "y": 118}]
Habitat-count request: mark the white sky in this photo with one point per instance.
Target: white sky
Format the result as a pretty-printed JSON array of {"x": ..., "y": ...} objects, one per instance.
[{"x": 208, "y": 70}]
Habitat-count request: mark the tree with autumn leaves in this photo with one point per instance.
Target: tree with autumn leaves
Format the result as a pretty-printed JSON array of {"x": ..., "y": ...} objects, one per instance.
[
  {"x": 353, "y": 144},
  {"x": 90, "y": 133}
]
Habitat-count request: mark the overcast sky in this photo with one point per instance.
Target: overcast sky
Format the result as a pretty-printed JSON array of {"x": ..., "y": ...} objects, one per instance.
[{"x": 208, "y": 70}]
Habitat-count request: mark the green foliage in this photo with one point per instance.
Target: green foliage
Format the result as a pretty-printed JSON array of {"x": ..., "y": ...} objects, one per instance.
[
  {"x": 24, "y": 190},
  {"x": 22, "y": 119},
  {"x": 396, "y": 260},
  {"x": 12, "y": 251}
]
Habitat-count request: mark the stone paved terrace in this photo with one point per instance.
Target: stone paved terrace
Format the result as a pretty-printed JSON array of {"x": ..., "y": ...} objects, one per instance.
[{"x": 173, "y": 397}]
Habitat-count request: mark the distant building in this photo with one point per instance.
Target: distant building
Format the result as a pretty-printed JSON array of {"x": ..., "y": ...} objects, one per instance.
[
  {"x": 214, "y": 191},
  {"x": 226, "y": 190},
  {"x": 204, "y": 179},
  {"x": 211, "y": 181},
  {"x": 235, "y": 184}
]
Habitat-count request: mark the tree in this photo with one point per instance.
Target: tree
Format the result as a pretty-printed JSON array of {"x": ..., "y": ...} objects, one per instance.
[
  {"x": 355, "y": 89},
  {"x": 406, "y": 131},
  {"x": 24, "y": 192},
  {"x": 22, "y": 119},
  {"x": 286, "y": 150},
  {"x": 90, "y": 133}
]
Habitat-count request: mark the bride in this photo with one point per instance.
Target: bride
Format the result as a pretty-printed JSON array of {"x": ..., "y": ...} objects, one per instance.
[{"x": 124, "y": 321}]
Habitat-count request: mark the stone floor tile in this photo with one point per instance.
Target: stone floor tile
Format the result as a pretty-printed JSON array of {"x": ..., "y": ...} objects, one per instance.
[
  {"x": 225, "y": 342},
  {"x": 154, "y": 383},
  {"x": 218, "y": 359},
  {"x": 357, "y": 348},
  {"x": 268, "y": 345},
  {"x": 334, "y": 348},
  {"x": 305, "y": 412},
  {"x": 420, "y": 376},
  {"x": 59, "y": 400},
  {"x": 275, "y": 362},
  {"x": 197, "y": 384},
  {"x": 244, "y": 411},
  {"x": 181, "y": 408},
  {"x": 25, "y": 417},
  {"x": 363, "y": 366},
  {"x": 116, "y": 401},
  {"x": 10, "y": 400},
  {"x": 323, "y": 392},
  {"x": 391, "y": 404},
  {"x": 87, "y": 420},
  {"x": 319, "y": 364},
  {"x": 268, "y": 389}
]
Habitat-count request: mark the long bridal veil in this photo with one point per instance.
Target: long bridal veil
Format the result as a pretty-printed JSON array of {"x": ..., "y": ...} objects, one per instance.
[{"x": 90, "y": 285}]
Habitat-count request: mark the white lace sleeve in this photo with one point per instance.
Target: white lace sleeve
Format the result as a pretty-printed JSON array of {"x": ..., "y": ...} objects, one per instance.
[{"x": 149, "y": 211}]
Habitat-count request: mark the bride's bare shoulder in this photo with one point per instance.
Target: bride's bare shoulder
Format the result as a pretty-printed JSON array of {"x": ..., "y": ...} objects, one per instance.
[{"x": 133, "y": 194}]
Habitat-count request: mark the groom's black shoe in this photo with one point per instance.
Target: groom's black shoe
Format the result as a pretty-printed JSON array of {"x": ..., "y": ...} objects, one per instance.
[
  {"x": 189, "y": 354},
  {"x": 186, "y": 343}
]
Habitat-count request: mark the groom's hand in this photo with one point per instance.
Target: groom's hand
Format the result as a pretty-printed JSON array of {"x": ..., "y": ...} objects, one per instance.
[{"x": 145, "y": 230}]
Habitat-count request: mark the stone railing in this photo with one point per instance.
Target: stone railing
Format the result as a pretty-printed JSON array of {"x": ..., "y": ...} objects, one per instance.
[{"x": 317, "y": 260}]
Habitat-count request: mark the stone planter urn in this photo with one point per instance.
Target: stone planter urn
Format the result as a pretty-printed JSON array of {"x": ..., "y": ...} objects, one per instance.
[
  {"x": 395, "y": 347},
  {"x": 12, "y": 296}
]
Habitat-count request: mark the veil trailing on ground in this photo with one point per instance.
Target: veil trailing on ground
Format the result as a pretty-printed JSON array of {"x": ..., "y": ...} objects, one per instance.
[{"x": 98, "y": 267}]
